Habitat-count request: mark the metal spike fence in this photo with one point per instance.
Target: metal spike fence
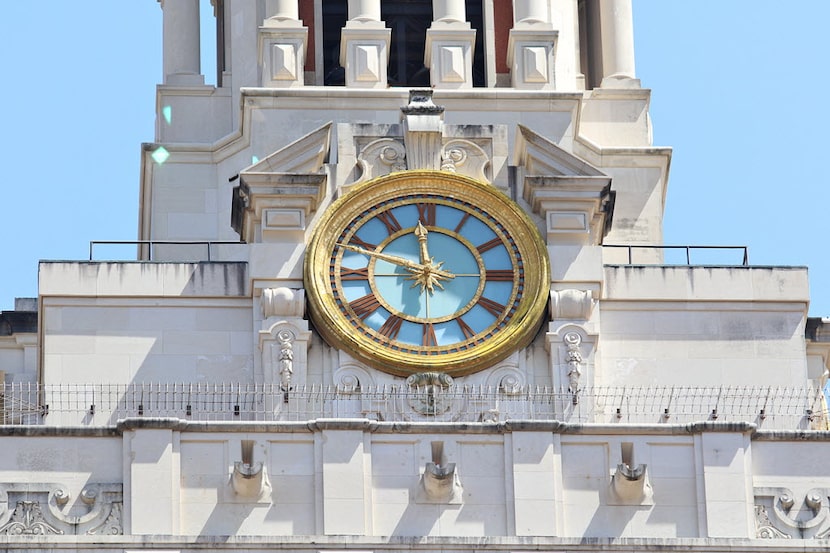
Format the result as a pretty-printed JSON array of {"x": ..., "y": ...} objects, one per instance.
[{"x": 104, "y": 404}]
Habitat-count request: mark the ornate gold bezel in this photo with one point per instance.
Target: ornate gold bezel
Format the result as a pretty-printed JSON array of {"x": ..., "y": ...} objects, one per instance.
[{"x": 339, "y": 331}]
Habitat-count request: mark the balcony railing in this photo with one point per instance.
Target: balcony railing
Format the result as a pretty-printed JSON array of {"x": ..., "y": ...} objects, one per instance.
[
  {"x": 684, "y": 255},
  {"x": 104, "y": 404},
  {"x": 148, "y": 247}
]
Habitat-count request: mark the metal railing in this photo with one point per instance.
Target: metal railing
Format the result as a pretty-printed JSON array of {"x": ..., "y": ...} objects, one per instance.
[
  {"x": 152, "y": 243},
  {"x": 687, "y": 249},
  {"x": 104, "y": 404}
]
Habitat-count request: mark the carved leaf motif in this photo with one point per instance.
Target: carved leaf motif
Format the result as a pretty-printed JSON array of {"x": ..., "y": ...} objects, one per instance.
[
  {"x": 112, "y": 524},
  {"x": 765, "y": 530},
  {"x": 27, "y": 519}
]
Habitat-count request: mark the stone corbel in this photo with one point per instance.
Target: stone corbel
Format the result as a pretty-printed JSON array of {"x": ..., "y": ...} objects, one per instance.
[
  {"x": 629, "y": 482},
  {"x": 571, "y": 305},
  {"x": 439, "y": 482},
  {"x": 248, "y": 478}
]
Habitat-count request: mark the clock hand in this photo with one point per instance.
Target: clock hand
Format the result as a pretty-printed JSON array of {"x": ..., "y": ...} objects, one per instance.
[
  {"x": 421, "y": 232},
  {"x": 394, "y": 259},
  {"x": 426, "y": 275}
]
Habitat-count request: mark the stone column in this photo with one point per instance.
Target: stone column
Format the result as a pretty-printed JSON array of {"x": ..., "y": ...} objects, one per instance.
[
  {"x": 282, "y": 9},
  {"x": 364, "y": 46},
  {"x": 530, "y": 12},
  {"x": 617, "y": 26},
  {"x": 181, "y": 56},
  {"x": 282, "y": 45},
  {"x": 449, "y": 46},
  {"x": 531, "y": 46}
]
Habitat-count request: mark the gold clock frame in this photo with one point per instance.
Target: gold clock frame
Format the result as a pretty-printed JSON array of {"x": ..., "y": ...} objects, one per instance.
[{"x": 339, "y": 331}]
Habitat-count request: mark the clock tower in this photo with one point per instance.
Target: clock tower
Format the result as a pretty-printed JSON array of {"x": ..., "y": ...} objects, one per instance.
[{"x": 401, "y": 284}]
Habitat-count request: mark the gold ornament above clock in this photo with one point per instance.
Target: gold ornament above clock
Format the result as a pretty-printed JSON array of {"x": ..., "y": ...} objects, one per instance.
[{"x": 427, "y": 271}]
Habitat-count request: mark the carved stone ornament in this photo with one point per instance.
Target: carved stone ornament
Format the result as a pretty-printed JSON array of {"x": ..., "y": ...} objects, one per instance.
[
  {"x": 764, "y": 528},
  {"x": 782, "y": 514},
  {"x": 27, "y": 519},
  {"x": 466, "y": 158},
  {"x": 426, "y": 396},
  {"x": 286, "y": 358},
  {"x": 574, "y": 357},
  {"x": 42, "y": 509}
]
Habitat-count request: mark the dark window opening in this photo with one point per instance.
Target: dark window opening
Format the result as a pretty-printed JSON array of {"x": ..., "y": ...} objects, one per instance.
[{"x": 409, "y": 21}]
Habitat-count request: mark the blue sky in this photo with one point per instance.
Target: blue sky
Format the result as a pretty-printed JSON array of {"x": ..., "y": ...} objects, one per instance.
[{"x": 738, "y": 91}]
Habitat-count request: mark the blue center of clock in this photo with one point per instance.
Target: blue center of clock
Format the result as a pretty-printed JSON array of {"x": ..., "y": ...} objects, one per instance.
[{"x": 398, "y": 292}]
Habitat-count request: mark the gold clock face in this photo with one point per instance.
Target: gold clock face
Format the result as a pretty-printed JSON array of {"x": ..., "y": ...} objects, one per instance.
[{"x": 427, "y": 271}]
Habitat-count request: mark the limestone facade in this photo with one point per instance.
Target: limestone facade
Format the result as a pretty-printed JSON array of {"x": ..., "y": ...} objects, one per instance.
[{"x": 185, "y": 401}]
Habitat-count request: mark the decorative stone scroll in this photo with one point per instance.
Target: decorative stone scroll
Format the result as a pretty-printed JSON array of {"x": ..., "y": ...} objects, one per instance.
[
  {"x": 781, "y": 513},
  {"x": 43, "y": 509}
]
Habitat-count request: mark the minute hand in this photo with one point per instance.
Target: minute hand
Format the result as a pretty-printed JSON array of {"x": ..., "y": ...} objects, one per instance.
[{"x": 407, "y": 264}]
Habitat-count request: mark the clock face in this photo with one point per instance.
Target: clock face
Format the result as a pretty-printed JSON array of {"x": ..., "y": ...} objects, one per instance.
[{"x": 423, "y": 271}]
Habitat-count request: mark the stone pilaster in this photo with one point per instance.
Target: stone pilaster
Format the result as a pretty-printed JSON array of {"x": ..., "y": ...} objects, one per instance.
[{"x": 364, "y": 46}]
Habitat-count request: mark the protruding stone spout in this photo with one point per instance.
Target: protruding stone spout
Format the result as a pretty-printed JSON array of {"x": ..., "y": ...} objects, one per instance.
[{"x": 248, "y": 478}]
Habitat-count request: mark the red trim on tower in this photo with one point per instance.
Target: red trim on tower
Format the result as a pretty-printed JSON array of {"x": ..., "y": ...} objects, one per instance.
[
  {"x": 307, "y": 17},
  {"x": 503, "y": 18}
]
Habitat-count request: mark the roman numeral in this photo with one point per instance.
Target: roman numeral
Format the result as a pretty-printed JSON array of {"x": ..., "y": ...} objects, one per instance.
[
  {"x": 428, "y": 335},
  {"x": 492, "y": 307},
  {"x": 391, "y": 327},
  {"x": 489, "y": 245},
  {"x": 465, "y": 328},
  {"x": 461, "y": 222},
  {"x": 426, "y": 213},
  {"x": 388, "y": 219},
  {"x": 499, "y": 274},
  {"x": 358, "y": 242},
  {"x": 354, "y": 274},
  {"x": 365, "y": 306}
]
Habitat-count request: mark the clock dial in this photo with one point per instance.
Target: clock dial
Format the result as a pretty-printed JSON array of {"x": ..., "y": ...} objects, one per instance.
[{"x": 423, "y": 276}]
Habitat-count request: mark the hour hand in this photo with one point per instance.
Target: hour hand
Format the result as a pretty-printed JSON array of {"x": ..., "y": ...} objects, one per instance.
[{"x": 407, "y": 264}]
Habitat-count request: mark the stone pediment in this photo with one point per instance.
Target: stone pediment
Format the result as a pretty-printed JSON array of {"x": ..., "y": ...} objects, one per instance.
[
  {"x": 305, "y": 155},
  {"x": 276, "y": 195},
  {"x": 573, "y": 196},
  {"x": 543, "y": 157}
]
